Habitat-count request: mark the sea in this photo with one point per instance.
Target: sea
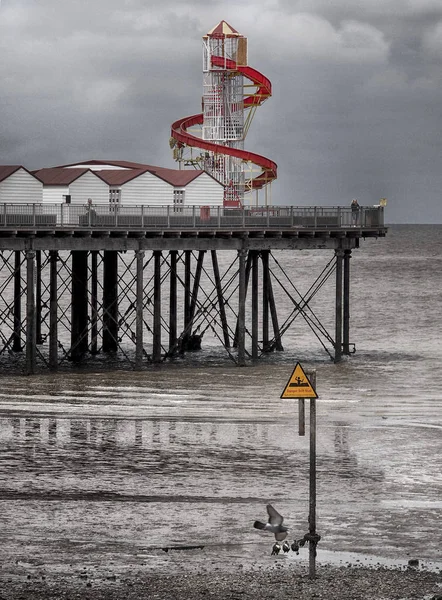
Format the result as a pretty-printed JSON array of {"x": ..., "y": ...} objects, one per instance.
[{"x": 123, "y": 467}]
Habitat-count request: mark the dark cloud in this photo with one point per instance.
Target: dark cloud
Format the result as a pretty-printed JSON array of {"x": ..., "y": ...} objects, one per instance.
[{"x": 355, "y": 110}]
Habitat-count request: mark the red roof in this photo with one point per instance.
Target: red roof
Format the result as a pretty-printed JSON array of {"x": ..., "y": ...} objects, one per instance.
[
  {"x": 222, "y": 30},
  {"x": 174, "y": 177},
  {"x": 178, "y": 178},
  {"x": 129, "y": 170},
  {"x": 59, "y": 176},
  {"x": 7, "y": 170},
  {"x": 117, "y": 177}
]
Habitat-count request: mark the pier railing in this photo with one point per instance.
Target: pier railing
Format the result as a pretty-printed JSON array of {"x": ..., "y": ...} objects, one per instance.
[{"x": 109, "y": 216}]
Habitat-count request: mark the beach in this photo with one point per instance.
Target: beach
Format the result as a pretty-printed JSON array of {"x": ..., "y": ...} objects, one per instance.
[{"x": 280, "y": 579}]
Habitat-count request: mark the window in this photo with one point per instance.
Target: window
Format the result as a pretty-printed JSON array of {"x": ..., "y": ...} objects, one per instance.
[
  {"x": 178, "y": 200},
  {"x": 114, "y": 199}
]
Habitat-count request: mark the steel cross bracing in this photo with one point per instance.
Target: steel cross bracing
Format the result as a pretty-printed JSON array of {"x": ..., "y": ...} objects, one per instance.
[{"x": 135, "y": 308}]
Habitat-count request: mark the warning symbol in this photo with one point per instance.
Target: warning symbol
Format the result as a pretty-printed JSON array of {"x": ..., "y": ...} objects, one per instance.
[{"x": 299, "y": 385}]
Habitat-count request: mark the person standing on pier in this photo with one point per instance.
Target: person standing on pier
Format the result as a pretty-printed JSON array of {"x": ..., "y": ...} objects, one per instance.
[
  {"x": 90, "y": 211},
  {"x": 354, "y": 211}
]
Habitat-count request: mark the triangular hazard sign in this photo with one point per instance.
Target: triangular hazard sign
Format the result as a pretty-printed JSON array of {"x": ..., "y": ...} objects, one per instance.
[{"x": 298, "y": 385}]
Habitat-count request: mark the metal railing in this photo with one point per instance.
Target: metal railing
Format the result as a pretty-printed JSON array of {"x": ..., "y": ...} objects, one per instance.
[{"x": 106, "y": 216}]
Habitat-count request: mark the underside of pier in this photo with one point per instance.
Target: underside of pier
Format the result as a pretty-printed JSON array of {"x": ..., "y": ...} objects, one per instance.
[{"x": 69, "y": 295}]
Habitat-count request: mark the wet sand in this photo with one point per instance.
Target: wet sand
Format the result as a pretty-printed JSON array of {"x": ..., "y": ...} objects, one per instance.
[{"x": 262, "y": 579}]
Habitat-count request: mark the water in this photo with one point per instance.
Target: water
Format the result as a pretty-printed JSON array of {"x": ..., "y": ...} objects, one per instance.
[{"x": 113, "y": 466}]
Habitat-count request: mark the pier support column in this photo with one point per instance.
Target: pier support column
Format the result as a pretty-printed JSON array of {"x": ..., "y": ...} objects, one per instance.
[
  {"x": 265, "y": 300},
  {"x": 246, "y": 284},
  {"x": 31, "y": 337},
  {"x": 241, "y": 337},
  {"x": 339, "y": 253},
  {"x": 110, "y": 301},
  {"x": 79, "y": 306},
  {"x": 265, "y": 254},
  {"x": 255, "y": 348},
  {"x": 38, "y": 298},
  {"x": 16, "y": 336},
  {"x": 94, "y": 302},
  {"x": 346, "y": 310},
  {"x": 196, "y": 284},
  {"x": 53, "y": 311},
  {"x": 156, "y": 349},
  {"x": 187, "y": 295},
  {"x": 173, "y": 302},
  {"x": 219, "y": 293},
  {"x": 139, "y": 310}
]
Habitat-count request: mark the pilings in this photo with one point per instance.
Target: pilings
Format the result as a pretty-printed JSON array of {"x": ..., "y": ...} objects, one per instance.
[
  {"x": 16, "y": 335},
  {"x": 110, "y": 301},
  {"x": 31, "y": 337},
  {"x": 156, "y": 346},
  {"x": 342, "y": 306},
  {"x": 338, "y": 306},
  {"x": 346, "y": 304},
  {"x": 255, "y": 281},
  {"x": 220, "y": 298},
  {"x": 94, "y": 302},
  {"x": 241, "y": 307},
  {"x": 151, "y": 305},
  {"x": 173, "y": 255},
  {"x": 79, "y": 306},
  {"x": 53, "y": 310},
  {"x": 139, "y": 309}
]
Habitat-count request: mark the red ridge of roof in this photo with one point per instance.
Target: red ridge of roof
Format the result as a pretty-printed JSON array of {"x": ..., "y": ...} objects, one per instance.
[
  {"x": 116, "y": 163},
  {"x": 59, "y": 175}
]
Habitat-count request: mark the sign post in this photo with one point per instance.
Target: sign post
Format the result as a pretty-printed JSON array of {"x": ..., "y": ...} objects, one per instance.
[{"x": 303, "y": 387}]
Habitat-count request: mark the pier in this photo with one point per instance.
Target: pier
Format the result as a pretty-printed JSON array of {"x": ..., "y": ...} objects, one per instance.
[{"x": 145, "y": 282}]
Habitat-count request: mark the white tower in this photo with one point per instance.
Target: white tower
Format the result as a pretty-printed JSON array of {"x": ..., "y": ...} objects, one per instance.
[{"x": 224, "y": 50}]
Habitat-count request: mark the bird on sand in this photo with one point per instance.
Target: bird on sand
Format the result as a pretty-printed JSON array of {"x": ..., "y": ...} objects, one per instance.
[
  {"x": 276, "y": 549},
  {"x": 274, "y": 524}
]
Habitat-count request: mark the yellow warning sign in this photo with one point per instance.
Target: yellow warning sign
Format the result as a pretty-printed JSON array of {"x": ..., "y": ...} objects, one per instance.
[{"x": 298, "y": 385}]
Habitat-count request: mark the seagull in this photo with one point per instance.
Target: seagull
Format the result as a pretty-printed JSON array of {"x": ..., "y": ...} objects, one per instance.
[{"x": 274, "y": 524}]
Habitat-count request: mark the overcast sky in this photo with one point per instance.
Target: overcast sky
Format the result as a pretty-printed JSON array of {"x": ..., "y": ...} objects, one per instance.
[{"x": 356, "y": 109}]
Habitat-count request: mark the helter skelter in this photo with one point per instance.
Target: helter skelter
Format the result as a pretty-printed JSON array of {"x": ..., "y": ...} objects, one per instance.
[{"x": 231, "y": 93}]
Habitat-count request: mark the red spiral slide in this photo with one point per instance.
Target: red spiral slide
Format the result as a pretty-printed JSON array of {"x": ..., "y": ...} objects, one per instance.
[{"x": 263, "y": 91}]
